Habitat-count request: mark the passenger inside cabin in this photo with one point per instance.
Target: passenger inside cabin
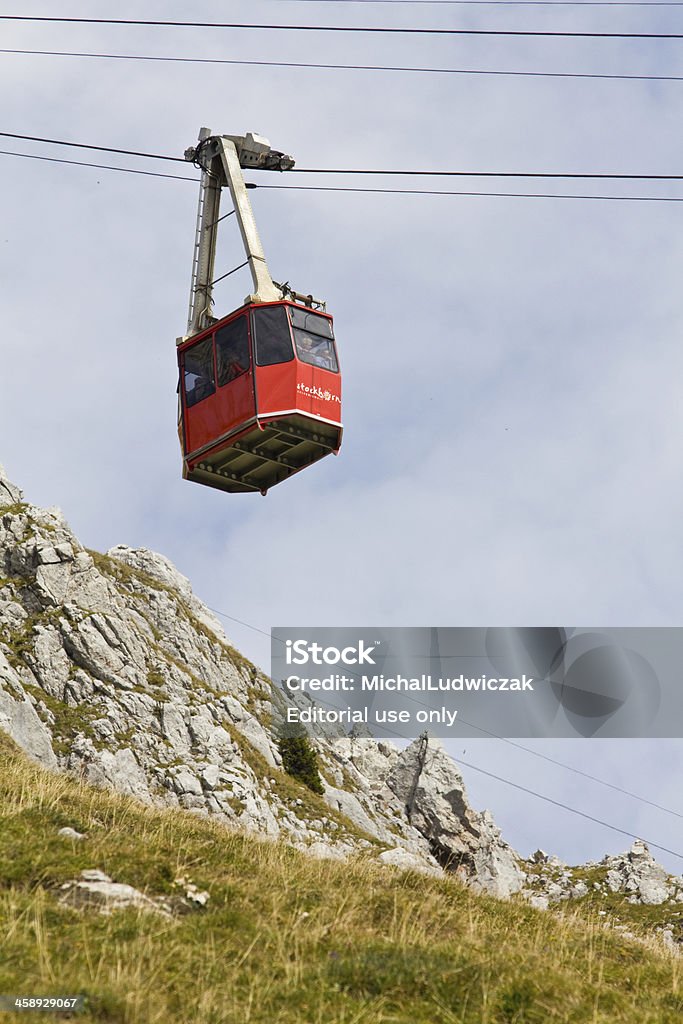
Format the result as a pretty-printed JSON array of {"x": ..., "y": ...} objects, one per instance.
[
  {"x": 313, "y": 350},
  {"x": 202, "y": 389}
]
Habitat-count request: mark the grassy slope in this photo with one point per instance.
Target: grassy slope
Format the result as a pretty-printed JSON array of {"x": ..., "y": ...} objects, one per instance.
[{"x": 286, "y": 938}]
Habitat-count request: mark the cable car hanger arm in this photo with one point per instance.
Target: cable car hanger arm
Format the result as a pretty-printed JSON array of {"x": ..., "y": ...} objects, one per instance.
[{"x": 221, "y": 159}]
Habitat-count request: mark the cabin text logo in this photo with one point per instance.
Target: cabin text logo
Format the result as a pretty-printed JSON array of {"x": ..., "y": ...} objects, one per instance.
[{"x": 317, "y": 392}]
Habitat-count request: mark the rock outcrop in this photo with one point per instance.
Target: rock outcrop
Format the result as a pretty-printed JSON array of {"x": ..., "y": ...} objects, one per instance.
[
  {"x": 113, "y": 670},
  {"x": 429, "y": 784},
  {"x": 638, "y": 875},
  {"x": 96, "y": 889},
  {"x": 634, "y": 877}
]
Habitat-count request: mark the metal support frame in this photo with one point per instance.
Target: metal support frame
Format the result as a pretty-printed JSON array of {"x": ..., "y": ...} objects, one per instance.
[{"x": 221, "y": 159}]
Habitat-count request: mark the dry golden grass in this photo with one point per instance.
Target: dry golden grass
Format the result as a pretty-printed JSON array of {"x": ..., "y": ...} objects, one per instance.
[{"x": 287, "y": 939}]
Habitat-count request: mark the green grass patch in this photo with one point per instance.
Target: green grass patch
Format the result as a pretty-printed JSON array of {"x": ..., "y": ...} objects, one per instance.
[
  {"x": 17, "y": 508},
  {"x": 68, "y": 720},
  {"x": 285, "y": 938},
  {"x": 19, "y": 643}
]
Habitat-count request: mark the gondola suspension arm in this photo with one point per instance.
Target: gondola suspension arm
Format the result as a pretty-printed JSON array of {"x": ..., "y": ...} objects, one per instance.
[{"x": 221, "y": 159}]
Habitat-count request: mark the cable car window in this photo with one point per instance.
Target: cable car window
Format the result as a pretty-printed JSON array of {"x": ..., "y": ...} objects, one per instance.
[
  {"x": 232, "y": 350},
  {"x": 198, "y": 372},
  {"x": 311, "y": 322},
  {"x": 314, "y": 339},
  {"x": 317, "y": 351},
  {"x": 273, "y": 340}
]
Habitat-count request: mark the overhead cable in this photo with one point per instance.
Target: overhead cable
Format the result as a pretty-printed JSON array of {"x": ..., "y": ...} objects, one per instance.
[
  {"x": 103, "y": 167},
  {"x": 449, "y": 192},
  {"x": 241, "y": 622},
  {"x": 100, "y": 149},
  {"x": 587, "y": 775},
  {"x": 492, "y": 735},
  {"x": 340, "y": 188},
  {"x": 525, "y": 789},
  {"x": 550, "y": 760},
  {"x": 372, "y": 29},
  {"x": 566, "y": 807},
  {"x": 388, "y": 171},
  {"x": 528, "y": 750},
  {"x": 344, "y": 67},
  {"x": 490, "y": 174}
]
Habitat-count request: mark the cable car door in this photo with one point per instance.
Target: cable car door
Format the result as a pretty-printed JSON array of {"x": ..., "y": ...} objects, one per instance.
[{"x": 218, "y": 385}]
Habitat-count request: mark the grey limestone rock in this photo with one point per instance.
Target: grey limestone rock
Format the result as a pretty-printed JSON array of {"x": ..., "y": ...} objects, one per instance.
[
  {"x": 112, "y": 668},
  {"x": 10, "y": 494},
  {"x": 95, "y": 889},
  {"x": 430, "y": 786},
  {"x": 406, "y": 861},
  {"x": 635, "y": 874},
  {"x": 19, "y": 718},
  {"x": 70, "y": 833},
  {"x": 638, "y": 874}
]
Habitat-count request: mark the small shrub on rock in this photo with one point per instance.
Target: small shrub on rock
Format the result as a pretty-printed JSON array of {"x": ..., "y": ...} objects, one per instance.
[{"x": 300, "y": 760}]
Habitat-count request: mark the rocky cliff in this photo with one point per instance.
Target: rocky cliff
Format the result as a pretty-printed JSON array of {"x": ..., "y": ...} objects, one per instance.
[{"x": 113, "y": 670}]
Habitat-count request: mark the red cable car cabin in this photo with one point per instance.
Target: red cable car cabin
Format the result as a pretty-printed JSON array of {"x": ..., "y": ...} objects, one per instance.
[{"x": 260, "y": 396}]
